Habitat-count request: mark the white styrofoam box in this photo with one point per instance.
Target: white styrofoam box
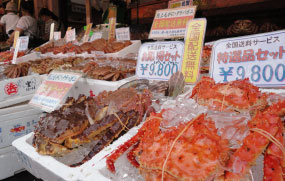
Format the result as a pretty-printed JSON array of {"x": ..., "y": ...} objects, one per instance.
[
  {"x": 48, "y": 168},
  {"x": 18, "y": 90},
  {"x": 17, "y": 121},
  {"x": 133, "y": 48},
  {"x": 92, "y": 87},
  {"x": 9, "y": 163},
  {"x": 28, "y": 57}
]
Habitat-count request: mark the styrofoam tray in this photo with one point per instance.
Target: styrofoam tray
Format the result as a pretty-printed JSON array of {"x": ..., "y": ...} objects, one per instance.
[
  {"x": 48, "y": 168},
  {"x": 9, "y": 163},
  {"x": 133, "y": 48}
]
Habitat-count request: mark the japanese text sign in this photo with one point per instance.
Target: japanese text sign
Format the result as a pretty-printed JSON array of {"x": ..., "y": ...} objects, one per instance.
[
  {"x": 112, "y": 27},
  {"x": 16, "y": 52},
  {"x": 179, "y": 3},
  {"x": 24, "y": 43},
  {"x": 171, "y": 23},
  {"x": 70, "y": 35},
  {"x": 194, "y": 39},
  {"x": 123, "y": 34},
  {"x": 16, "y": 36},
  {"x": 57, "y": 35},
  {"x": 96, "y": 35},
  {"x": 159, "y": 60},
  {"x": 51, "y": 32},
  {"x": 260, "y": 57},
  {"x": 87, "y": 32},
  {"x": 53, "y": 90}
]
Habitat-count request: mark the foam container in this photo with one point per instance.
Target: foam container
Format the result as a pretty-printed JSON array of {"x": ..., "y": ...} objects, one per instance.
[
  {"x": 9, "y": 163},
  {"x": 17, "y": 121},
  {"x": 133, "y": 48},
  {"x": 18, "y": 90}
]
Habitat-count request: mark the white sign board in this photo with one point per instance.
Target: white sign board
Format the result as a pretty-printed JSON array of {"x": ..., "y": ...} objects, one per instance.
[
  {"x": 57, "y": 35},
  {"x": 96, "y": 35},
  {"x": 54, "y": 89},
  {"x": 70, "y": 35},
  {"x": 123, "y": 34},
  {"x": 260, "y": 57},
  {"x": 159, "y": 60}
]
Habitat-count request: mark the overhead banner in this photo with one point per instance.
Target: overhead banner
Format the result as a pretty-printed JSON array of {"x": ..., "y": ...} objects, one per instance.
[
  {"x": 260, "y": 57},
  {"x": 171, "y": 23}
]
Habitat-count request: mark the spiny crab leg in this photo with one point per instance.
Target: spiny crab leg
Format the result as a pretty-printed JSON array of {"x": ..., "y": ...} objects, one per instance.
[
  {"x": 131, "y": 156},
  {"x": 121, "y": 149}
]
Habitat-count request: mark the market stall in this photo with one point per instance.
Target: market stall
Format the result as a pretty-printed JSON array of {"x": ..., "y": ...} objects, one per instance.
[{"x": 99, "y": 105}]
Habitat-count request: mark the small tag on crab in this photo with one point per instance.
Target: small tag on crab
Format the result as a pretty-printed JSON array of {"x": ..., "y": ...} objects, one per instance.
[{"x": 176, "y": 84}]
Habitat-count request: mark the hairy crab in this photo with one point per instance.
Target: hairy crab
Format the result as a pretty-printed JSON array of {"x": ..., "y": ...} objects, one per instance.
[
  {"x": 102, "y": 118},
  {"x": 239, "y": 95}
]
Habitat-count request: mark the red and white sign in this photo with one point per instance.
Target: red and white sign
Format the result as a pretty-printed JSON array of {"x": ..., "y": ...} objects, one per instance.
[
  {"x": 11, "y": 88},
  {"x": 54, "y": 89},
  {"x": 258, "y": 57},
  {"x": 171, "y": 23}
]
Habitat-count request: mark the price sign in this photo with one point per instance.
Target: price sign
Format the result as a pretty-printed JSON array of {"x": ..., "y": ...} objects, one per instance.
[
  {"x": 53, "y": 90},
  {"x": 70, "y": 35},
  {"x": 123, "y": 34},
  {"x": 112, "y": 27},
  {"x": 51, "y": 32},
  {"x": 24, "y": 43},
  {"x": 16, "y": 36},
  {"x": 96, "y": 35},
  {"x": 179, "y": 3},
  {"x": 16, "y": 52},
  {"x": 171, "y": 23},
  {"x": 194, "y": 39},
  {"x": 260, "y": 57},
  {"x": 87, "y": 32},
  {"x": 57, "y": 35},
  {"x": 159, "y": 60}
]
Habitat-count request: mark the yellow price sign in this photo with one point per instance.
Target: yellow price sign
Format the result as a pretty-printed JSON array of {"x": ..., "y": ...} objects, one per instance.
[
  {"x": 16, "y": 37},
  {"x": 86, "y": 34},
  {"x": 194, "y": 40}
]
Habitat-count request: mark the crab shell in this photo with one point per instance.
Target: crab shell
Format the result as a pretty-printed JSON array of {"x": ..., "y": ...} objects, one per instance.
[
  {"x": 197, "y": 155},
  {"x": 239, "y": 95}
]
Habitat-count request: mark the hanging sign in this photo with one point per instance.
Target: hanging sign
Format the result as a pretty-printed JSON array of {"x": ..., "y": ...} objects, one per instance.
[
  {"x": 123, "y": 34},
  {"x": 87, "y": 32},
  {"x": 260, "y": 57},
  {"x": 112, "y": 27},
  {"x": 171, "y": 23},
  {"x": 159, "y": 60},
  {"x": 53, "y": 90},
  {"x": 70, "y": 35},
  {"x": 194, "y": 39},
  {"x": 179, "y": 3},
  {"x": 16, "y": 36},
  {"x": 51, "y": 32},
  {"x": 57, "y": 35},
  {"x": 96, "y": 35}
]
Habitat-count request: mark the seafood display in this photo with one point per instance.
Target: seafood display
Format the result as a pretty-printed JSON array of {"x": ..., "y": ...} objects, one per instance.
[
  {"x": 96, "y": 45},
  {"x": 195, "y": 150},
  {"x": 102, "y": 119},
  {"x": 7, "y": 56},
  {"x": 111, "y": 69}
]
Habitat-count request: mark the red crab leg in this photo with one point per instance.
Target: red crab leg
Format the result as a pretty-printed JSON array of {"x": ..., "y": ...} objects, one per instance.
[
  {"x": 120, "y": 150},
  {"x": 272, "y": 168},
  {"x": 131, "y": 156}
]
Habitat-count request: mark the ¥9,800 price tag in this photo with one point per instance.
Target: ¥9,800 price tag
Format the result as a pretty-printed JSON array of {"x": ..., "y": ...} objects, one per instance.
[
  {"x": 257, "y": 57},
  {"x": 159, "y": 60}
]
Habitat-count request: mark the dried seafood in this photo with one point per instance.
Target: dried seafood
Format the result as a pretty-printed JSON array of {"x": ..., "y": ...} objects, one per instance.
[
  {"x": 17, "y": 70},
  {"x": 101, "y": 118},
  {"x": 242, "y": 27}
]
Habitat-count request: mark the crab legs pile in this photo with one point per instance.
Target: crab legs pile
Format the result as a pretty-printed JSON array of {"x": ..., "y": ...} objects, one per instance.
[{"x": 193, "y": 150}]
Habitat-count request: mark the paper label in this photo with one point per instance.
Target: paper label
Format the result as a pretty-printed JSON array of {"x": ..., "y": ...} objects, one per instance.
[
  {"x": 16, "y": 52},
  {"x": 112, "y": 27},
  {"x": 194, "y": 40},
  {"x": 19, "y": 86},
  {"x": 54, "y": 89},
  {"x": 87, "y": 32},
  {"x": 123, "y": 34},
  {"x": 16, "y": 36},
  {"x": 51, "y": 32},
  {"x": 57, "y": 35},
  {"x": 258, "y": 57},
  {"x": 70, "y": 35},
  {"x": 24, "y": 43},
  {"x": 171, "y": 23},
  {"x": 159, "y": 60},
  {"x": 179, "y": 3},
  {"x": 96, "y": 35}
]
